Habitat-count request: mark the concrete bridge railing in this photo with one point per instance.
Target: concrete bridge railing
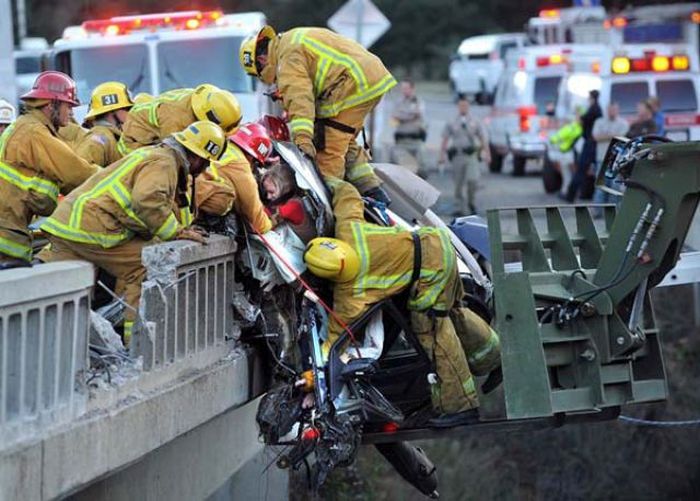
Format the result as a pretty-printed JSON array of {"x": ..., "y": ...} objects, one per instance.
[
  {"x": 185, "y": 306},
  {"x": 44, "y": 314}
]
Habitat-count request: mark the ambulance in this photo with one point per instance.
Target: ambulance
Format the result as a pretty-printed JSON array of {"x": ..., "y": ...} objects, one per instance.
[
  {"x": 154, "y": 53},
  {"x": 523, "y": 113},
  {"x": 629, "y": 74}
]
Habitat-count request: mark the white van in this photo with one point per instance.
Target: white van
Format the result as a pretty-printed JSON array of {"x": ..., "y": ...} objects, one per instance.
[{"x": 478, "y": 63}]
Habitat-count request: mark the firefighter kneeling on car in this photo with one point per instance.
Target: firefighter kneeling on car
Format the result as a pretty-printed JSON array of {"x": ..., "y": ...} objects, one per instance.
[
  {"x": 369, "y": 263},
  {"x": 328, "y": 85},
  {"x": 115, "y": 213}
]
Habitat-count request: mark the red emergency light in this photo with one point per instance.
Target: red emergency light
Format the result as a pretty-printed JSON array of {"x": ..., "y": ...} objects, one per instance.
[
  {"x": 550, "y": 60},
  {"x": 122, "y": 25}
]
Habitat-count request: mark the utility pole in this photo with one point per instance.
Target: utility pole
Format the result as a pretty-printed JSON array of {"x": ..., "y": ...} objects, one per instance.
[{"x": 7, "y": 63}]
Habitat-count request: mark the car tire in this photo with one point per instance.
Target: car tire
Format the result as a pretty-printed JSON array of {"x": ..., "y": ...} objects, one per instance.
[
  {"x": 551, "y": 177},
  {"x": 496, "y": 164},
  {"x": 519, "y": 165}
]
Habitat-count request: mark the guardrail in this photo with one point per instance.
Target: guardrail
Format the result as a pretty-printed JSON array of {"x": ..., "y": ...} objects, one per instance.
[
  {"x": 185, "y": 305},
  {"x": 44, "y": 322}
]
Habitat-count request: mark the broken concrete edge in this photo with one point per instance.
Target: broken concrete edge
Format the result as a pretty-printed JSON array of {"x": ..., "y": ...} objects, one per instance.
[
  {"x": 71, "y": 456},
  {"x": 163, "y": 260},
  {"x": 41, "y": 282}
]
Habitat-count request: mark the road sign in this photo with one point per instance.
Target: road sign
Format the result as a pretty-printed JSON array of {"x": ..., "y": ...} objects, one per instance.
[{"x": 360, "y": 20}]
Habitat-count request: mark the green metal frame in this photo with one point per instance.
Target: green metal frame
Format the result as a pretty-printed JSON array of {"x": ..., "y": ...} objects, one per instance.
[
  {"x": 550, "y": 368},
  {"x": 598, "y": 358}
]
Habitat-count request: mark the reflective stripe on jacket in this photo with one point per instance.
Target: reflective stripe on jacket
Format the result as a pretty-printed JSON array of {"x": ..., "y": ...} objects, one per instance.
[
  {"x": 320, "y": 73},
  {"x": 134, "y": 196},
  {"x": 148, "y": 123},
  {"x": 386, "y": 261},
  {"x": 35, "y": 166}
]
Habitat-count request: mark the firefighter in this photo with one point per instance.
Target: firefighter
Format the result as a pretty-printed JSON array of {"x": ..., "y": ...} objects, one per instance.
[
  {"x": 369, "y": 263},
  {"x": 109, "y": 106},
  {"x": 8, "y": 114},
  {"x": 35, "y": 165},
  {"x": 172, "y": 111},
  {"x": 111, "y": 217},
  {"x": 249, "y": 145},
  {"x": 328, "y": 85}
]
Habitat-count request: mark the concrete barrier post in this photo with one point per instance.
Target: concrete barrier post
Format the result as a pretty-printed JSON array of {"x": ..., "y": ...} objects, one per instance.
[
  {"x": 185, "y": 304},
  {"x": 44, "y": 322}
]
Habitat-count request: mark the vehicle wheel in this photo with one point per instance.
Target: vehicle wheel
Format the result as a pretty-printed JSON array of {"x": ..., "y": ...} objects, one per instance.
[
  {"x": 551, "y": 177},
  {"x": 519, "y": 165},
  {"x": 496, "y": 164}
]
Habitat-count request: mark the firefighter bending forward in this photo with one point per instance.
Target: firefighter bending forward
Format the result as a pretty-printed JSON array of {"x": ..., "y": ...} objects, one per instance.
[
  {"x": 229, "y": 183},
  {"x": 369, "y": 263},
  {"x": 35, "y": 165},
  {"x": 115, "y": 213},
  {"x": 153, "y": 120},
  {"x": 328, "y": 85}
]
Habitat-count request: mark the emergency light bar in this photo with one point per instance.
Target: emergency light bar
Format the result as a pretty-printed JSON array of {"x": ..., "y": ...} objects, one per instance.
[
  {"x": 550, "y": 60},
  {"x": 122, "y": 25},
  {"x": 550, "y": 13},
  {"x": 650, "y": 62}
]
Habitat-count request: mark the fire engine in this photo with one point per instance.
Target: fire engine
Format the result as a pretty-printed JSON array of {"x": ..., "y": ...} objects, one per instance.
[{"x": 154, "y": 53}]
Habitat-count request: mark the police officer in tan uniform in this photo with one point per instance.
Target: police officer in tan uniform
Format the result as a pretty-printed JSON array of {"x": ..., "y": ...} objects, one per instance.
[
  {"x": 410, "y": 132},
  {"x": 468, "y": 145}
]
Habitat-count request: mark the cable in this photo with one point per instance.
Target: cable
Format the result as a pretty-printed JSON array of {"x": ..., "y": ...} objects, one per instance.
[
  {"x": 659, "y": 424},
  {"x": 272, "y": 351},
  {"x": 303, "y": 282}
]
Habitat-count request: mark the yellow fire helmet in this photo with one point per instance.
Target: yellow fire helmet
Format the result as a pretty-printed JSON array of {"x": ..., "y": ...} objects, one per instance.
[
  {"x": 204, "y": 138},
  {"x": 248, "y": 50},
  {"x": 218, "y": 106},
  {"x": 143, "y": 97},
  {"x": 332, "y": 259},
  {"x": 108, "y": 96}
]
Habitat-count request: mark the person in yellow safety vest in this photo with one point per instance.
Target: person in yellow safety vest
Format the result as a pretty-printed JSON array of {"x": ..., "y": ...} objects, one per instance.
[
  {"x": 328, "y": 85},
  {"x": 250, "y": 144},
  {"x": 369, "y": 263},
  {"x": 8, "y": 114},
  {"x": 109, "y": 105},
  {"x": 119, "y": 210},
  {"x": 172, "y": 111},
  {"x": 35, "y": 165}
]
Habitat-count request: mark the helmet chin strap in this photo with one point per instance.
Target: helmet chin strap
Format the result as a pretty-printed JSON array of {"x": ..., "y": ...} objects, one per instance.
[{"x": 55, "y": 114}]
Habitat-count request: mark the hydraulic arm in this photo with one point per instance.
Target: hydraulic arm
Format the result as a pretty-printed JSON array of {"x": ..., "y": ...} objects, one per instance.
[{"x": 576, "y": 323}]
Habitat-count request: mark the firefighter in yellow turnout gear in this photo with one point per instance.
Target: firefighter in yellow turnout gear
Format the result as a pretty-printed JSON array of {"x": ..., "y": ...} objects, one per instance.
[
  {"x": 116, "y": 212},
  {"x": 35, "y": 165},
  {"x": 109, "y": 106},
  {"x": 172, "y": 111},
  {"x": 328, "y": 84},
  {"x": 370, "y": 263},
  {"x": 229, "y": 183}
]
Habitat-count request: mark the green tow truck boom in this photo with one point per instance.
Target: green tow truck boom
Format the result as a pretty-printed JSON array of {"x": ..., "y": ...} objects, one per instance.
[{"x": 576, "y": 323}]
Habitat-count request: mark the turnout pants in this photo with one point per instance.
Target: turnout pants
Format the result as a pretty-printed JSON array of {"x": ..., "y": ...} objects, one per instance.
[
  {"x": 123, "y": 262},
  {"x": 461, "y": 344},
  {"x": 342, "y": 157}
]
